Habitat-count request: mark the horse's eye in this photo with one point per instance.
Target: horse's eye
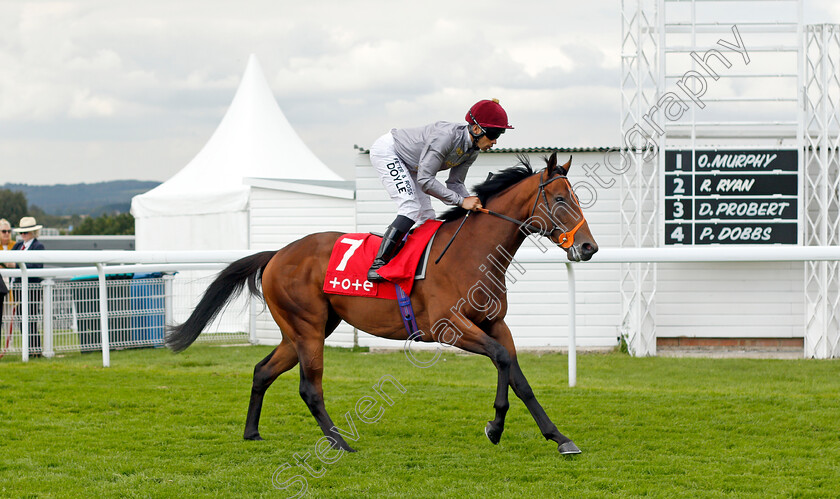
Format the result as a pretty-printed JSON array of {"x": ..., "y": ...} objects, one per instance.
[{"x": 559, "y": 199}]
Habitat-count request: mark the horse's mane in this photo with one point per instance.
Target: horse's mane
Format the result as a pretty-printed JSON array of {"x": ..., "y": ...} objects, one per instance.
[{"x": 495, "y": 183}]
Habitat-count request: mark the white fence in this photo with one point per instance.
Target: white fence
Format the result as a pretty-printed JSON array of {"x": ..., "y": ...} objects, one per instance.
[
  {"x": 104, "y": 307},
  {"x": 115, "y": 309}
]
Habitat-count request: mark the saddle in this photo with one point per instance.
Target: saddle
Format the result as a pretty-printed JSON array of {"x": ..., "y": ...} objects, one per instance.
[{"x": 353, "y": 254}]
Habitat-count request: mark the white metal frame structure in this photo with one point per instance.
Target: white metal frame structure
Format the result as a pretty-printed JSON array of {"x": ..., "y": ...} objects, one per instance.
[
  {"x": 821, "y": 119},
  {"x": 640, "y": 76},
  {"x": 800, "y": 85}
]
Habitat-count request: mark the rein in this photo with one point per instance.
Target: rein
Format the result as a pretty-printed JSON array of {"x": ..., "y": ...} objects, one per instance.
[{"x": 566, "y": 239}]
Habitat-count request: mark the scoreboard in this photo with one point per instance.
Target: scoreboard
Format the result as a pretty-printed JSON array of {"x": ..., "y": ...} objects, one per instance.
[{"x": 731, "y": 197}]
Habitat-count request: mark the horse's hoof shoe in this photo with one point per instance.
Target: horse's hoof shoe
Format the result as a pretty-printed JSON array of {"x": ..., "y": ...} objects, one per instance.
[
  {"x": 492, "y": 434},
  {"x": 567, "y": 448}
]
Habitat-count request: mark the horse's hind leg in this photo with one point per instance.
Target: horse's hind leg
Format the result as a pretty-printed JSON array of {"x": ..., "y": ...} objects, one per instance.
[
  {"x": 280, "y": 360},
  {"x": 311, "y": 351}
]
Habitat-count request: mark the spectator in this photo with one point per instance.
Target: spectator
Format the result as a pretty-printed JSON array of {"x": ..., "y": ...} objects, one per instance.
[
  {"x": 29, "y": 231},
  {"x": 6, "y": 244}
]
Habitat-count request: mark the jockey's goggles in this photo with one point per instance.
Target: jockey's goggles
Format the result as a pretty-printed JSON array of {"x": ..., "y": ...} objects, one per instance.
[{"x": 493, "y": 133}]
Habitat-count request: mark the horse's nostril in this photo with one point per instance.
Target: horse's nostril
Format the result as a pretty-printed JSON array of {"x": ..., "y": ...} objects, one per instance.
[{"x": 589, "y": 249}]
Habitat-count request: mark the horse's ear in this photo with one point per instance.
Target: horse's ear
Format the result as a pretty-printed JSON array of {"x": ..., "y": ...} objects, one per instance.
[
  {"x": 565, "y": 168},
  {"x": 551, "y": 162}
]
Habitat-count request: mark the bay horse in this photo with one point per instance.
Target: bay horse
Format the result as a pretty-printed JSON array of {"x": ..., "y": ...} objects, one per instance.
[{"x": 517, "y": 202}]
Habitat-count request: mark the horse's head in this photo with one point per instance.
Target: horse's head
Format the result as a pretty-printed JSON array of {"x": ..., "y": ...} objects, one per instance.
[{"x": 557, "y": 210}]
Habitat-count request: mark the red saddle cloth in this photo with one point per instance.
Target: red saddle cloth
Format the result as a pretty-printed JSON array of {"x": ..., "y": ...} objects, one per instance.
[{"x": 353, "y": 254}]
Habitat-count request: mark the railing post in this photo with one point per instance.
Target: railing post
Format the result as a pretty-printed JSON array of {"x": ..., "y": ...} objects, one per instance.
[
  {"x": 47, "y": 286},
  {"x": 252, "y": 321},
  {"x": 24, "y": 313},
  {"x": 570, "y": 270},
  {"x": 168, "y": 310},
  {"x": 103, "y": 316}
]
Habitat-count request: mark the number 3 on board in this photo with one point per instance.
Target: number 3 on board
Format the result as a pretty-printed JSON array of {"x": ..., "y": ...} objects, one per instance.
[{"x": 679, "y": 211}]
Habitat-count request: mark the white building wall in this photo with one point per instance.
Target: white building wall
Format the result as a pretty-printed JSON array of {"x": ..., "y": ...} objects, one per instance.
[
  {"x": 740, "y": 300},
  {"x": 731, "y": 300},
  {"x": 727, "y": 300},
  {"x": 211, "y": 231},
  {"x": 281, "y": 217}
]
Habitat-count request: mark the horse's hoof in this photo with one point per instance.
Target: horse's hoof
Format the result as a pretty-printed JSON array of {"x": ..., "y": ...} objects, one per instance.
[
  {"x": 492, "y": 434},
  {"x": 255, "y": 436},
  {"x": 567, "y": 448},
  {"x": 342, "y": 446}
]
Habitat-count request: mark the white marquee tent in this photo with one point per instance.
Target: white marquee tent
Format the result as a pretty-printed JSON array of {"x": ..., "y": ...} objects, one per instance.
[
  {"x": 254, "y": 185},
  {"x": 205, "y": 205}
]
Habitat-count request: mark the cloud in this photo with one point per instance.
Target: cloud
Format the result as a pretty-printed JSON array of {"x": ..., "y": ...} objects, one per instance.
[{"x": 154, "y": 78}]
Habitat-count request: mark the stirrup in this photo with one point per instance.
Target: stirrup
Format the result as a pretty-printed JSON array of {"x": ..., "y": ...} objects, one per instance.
[{"x": 373, "y": 275}]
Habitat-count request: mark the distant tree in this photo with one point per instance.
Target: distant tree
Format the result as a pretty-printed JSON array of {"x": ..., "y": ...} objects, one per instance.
[
  {"x": 121, "y": 224},
  {"x": 44, "y": 218},
  {"x": 13, "y": 206}
]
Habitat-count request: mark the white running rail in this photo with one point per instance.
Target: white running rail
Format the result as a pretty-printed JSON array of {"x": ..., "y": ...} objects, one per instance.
[{"x": 110, "y": 262}]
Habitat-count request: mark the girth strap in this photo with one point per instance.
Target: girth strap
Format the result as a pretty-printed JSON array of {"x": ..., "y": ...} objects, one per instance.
[{"x": 407, "y": 314}]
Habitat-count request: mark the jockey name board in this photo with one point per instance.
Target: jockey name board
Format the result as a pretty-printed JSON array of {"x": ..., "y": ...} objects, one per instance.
[{"x": 731, "y": 196}]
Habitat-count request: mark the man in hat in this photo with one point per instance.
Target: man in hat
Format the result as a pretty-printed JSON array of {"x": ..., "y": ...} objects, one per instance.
[{"x": 29, "y": 230}]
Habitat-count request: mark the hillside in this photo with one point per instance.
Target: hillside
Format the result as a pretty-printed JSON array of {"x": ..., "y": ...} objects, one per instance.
[{"x": 83, "y": 199}]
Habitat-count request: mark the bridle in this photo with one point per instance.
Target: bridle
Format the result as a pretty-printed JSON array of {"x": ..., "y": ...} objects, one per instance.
[{"x": 565, "y": 239}]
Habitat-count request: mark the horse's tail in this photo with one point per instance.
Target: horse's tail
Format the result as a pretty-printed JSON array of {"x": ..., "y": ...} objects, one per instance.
[{"x": 227, "y": 285}]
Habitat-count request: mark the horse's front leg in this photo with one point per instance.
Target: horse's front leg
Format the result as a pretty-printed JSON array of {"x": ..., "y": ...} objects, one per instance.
[
  {"x": 473, "y": 339},
  {"x": 501, "y": 333},
  {"x": 494, "y": 428}
]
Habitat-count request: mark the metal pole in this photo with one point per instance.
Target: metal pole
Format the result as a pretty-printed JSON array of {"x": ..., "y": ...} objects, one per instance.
[
  {"x": 822, "y": 112},
  {"x": 570, "y": 270},
  {"x": 252, "y": 321},
  {"x": 168, "y": 310},
  {"x": 103, "y": 316},
  {"x": 47, "y": 289},
  {"x": 24, "y": 314}
]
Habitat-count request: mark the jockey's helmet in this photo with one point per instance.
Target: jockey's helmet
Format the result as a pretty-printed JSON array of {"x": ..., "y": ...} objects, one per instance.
[{"x": 488, "y": 114}]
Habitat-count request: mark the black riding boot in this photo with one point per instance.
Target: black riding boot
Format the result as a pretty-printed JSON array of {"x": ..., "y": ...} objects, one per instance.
[{"x": 389, "y": 247}]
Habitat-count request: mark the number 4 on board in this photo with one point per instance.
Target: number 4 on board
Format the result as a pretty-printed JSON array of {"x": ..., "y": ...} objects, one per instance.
[{"x": 677, "y": 234}]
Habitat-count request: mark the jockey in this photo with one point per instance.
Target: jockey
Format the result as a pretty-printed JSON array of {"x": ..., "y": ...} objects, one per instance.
[{"x": 408, "y": 160}]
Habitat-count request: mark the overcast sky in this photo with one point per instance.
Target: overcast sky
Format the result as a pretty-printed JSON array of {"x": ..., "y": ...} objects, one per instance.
[{"x": 95, "y": 90}]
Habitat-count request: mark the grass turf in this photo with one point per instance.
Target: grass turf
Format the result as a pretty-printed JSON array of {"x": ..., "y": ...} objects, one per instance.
[{"x": 157, "y": 425}]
